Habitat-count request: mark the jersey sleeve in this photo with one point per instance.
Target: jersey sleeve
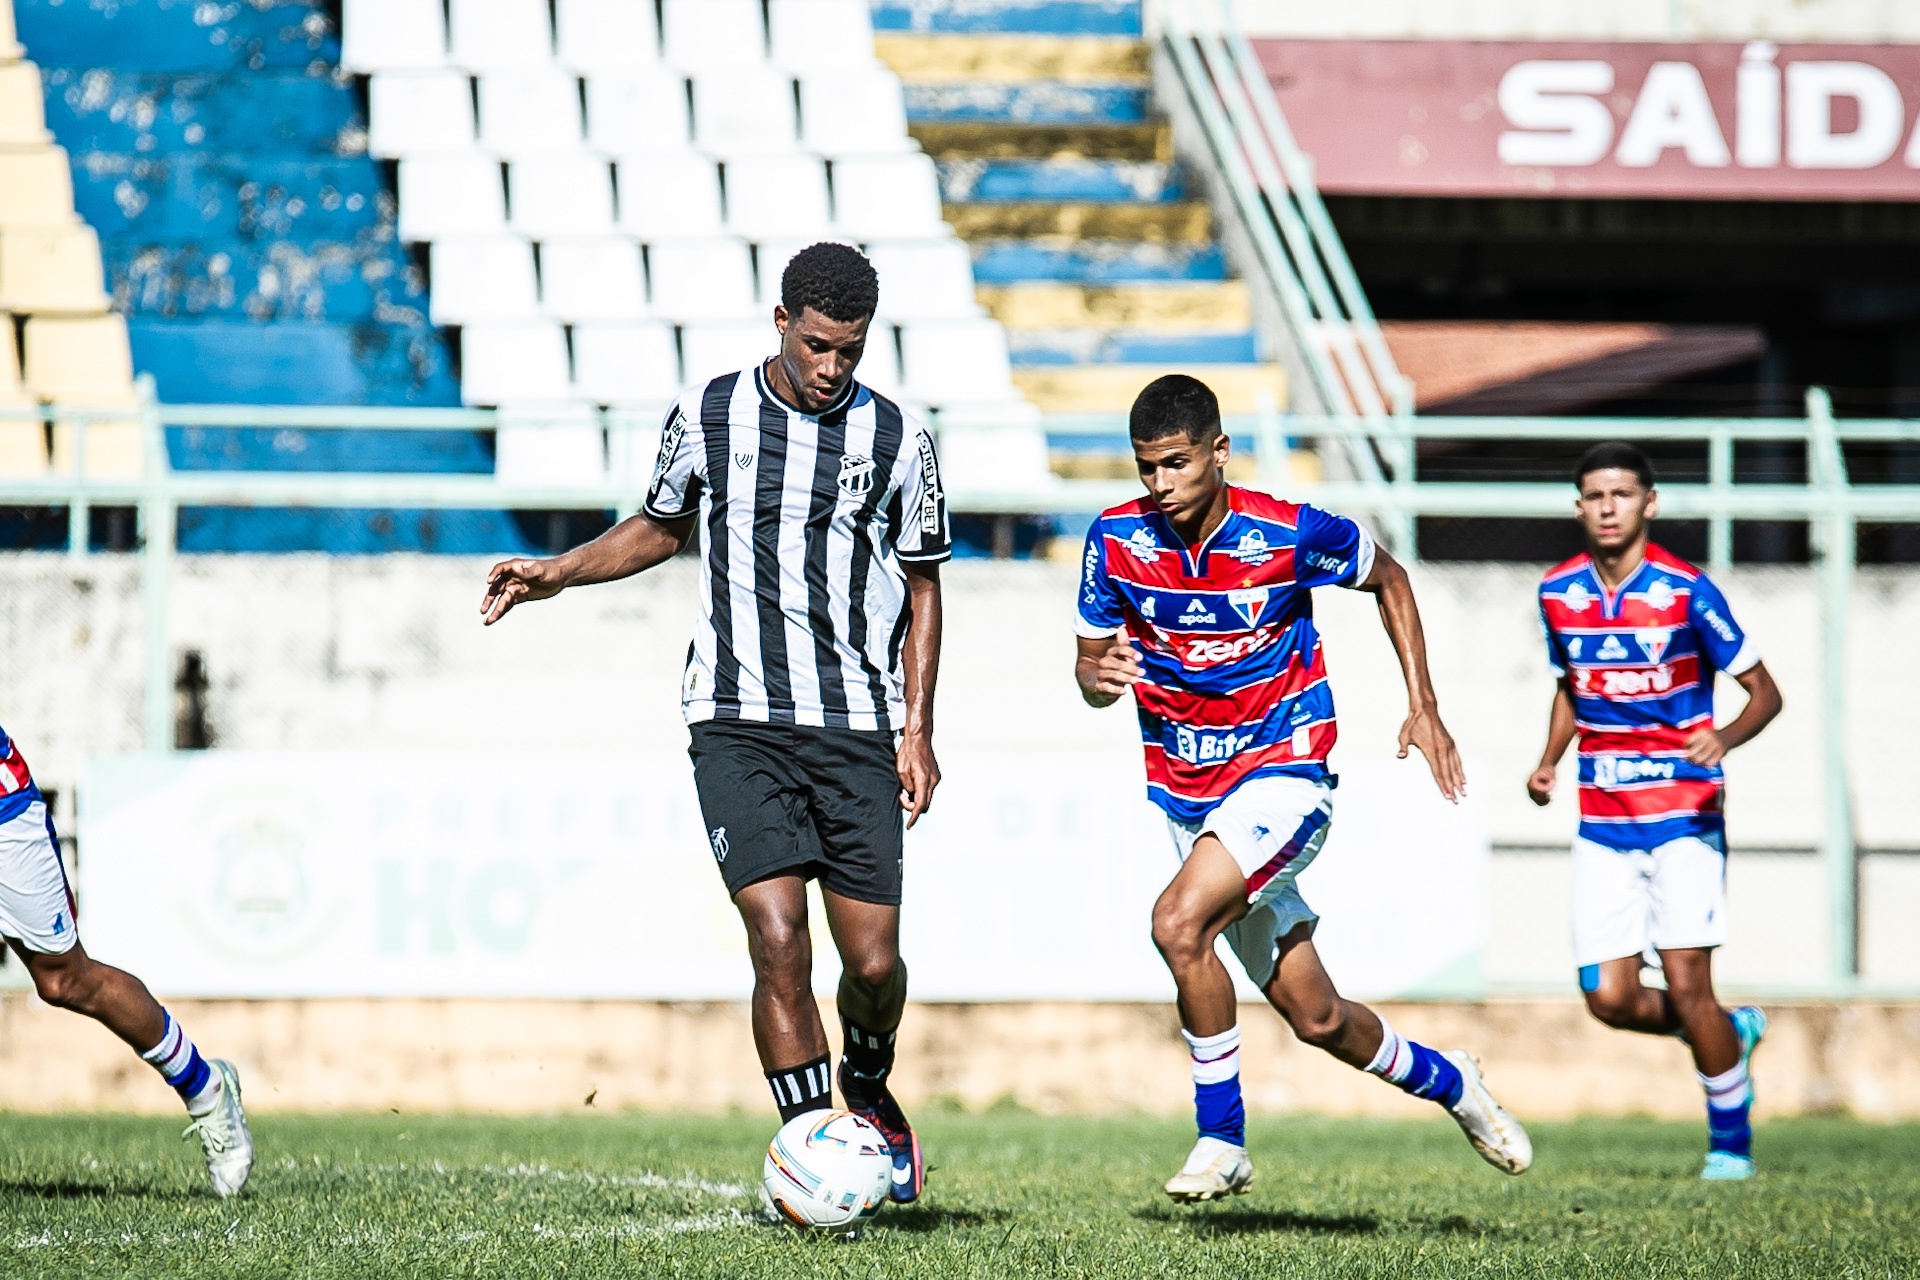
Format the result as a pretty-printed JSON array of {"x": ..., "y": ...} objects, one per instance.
[
  {"x": 680, "y": 470},
  {"x": 922, "y": 534},
  {"x": 1722, "y": 642},
  {"x": 1099, "y": 614},
  {"x": 1332, "y": 550},
  {"x": 1556, "y": 657}
]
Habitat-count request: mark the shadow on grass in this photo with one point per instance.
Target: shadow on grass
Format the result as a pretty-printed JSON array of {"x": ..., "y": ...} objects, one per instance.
[
  {"x": 67, "y": 1189},
  {"x": 1238, "y": 1221},
  {"x": 921, "y": 1219}
]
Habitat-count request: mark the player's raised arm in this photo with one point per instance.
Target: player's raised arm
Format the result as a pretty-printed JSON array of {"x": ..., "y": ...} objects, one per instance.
[
  {"x": 636, "y": 543},
  {"x": 1400, "y": 615}
]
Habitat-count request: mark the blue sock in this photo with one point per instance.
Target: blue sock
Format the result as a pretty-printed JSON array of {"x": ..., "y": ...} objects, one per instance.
[
  {"x": 180, "y": 1064},
  {"x": 1729, "y": 1102},
  {"x": 1216, "y": 1086},
  {"x": 1419, "y": 1070}
]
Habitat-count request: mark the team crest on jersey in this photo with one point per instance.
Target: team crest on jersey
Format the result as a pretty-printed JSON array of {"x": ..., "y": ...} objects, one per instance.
[
  {"x": 856, "y": 475},
  {"x": 1252, "y": 548},
  {"x": 1248, "y": 602},
  {"x": 1653, "y": 640},
  {"x": 1611, "y": 650},
  {"x": 1197, "y": 611},
  {"x": 1144, "y": 546},
  {"x": 1577, "y": 597},
  {"x": 1660, "y": 594},
  {"x": 743, "y": 460}
]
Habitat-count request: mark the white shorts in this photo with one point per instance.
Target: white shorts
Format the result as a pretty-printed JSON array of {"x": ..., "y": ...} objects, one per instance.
[
  {"x": 1637, "y": 902},
  {"x": 36, "y": 906},
  {"x": 1273, "y": 827}
]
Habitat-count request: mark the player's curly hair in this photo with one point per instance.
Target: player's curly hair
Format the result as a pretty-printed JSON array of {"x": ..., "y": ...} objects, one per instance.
[
  {"x": 1611, "y": 454},
  {"x": 1175, "y": 405},
  {"x": 836, "y": 280}
]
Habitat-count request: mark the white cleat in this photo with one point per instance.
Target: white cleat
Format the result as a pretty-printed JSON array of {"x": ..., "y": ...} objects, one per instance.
[
  {"x": 224, "y": 1137},
  {"x": 1499, "y": 1138},
  {"x": 1216, "y": 1169}
]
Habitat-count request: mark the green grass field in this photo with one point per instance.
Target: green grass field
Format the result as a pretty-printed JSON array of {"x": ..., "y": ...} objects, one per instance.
[{"x": 1012, "y": 1195}]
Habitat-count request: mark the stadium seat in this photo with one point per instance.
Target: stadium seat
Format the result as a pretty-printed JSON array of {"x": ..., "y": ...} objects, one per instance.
[
  {"x": 599, "y": 279},
  {"x": 634, "y": 363},
  {"x": 738, "y": 112},
  {"x": 633, "y": 441},
  {"x": 23, "y": 115},
  {"x": 638, "y": 113},
  {"x": 777, "y": 196},
  {"x": 35, "y": 187},
  {"x": 805, "y": 36},
  {"x": 771, "y": 258},
  {"x": 516, "y": 360},
  {"x": 701, "y": 279},
  {"x": 392, "y": 35},
  {"x": 113, "y": 450},
  {"x": 669, "y": 197},
  {"x": 23, "y": 441},
  {"x": 994, "y": 449},
  {"x": 561, "y": 196},
  {"x": 711, "y": 348},
  {"x": 549, "y": 444},
  {"x": 530, "y": 113},
  {"x": 854, "y": 112},
  {"x": 952, "y": 362},
  {"x": 599, "y": 37},
  {"x": 9, "y": 46},
  {"x": 419, "y": 113},
  {"x": 79, "y": 359},
  {"x": 880, "y": 367},
  {"x": 50, "y": 268},
  {"x": 481, "y": 279},
  {"x": 500, "y": 35},
  {"x": 702, "y": 35},
  {"x": 887, "y": 198},
  {"x": 450, "y": 196},
  {"x": 925, "y": 279}
]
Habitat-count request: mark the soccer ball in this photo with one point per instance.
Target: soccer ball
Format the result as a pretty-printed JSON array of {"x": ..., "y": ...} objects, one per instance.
[{"x": 828, "y": 1169}]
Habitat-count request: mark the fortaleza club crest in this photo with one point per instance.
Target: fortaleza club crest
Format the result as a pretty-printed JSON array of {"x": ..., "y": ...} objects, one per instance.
[{"x": 856, "y": 475}]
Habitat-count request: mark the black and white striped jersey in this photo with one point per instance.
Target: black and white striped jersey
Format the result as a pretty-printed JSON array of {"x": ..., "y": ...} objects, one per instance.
[{"x": 804, "y": 522}]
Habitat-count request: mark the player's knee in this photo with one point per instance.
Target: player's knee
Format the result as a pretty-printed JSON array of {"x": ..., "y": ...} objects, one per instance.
[
  {"x": 1179, "y": 933},
  {"x": 778, "y": 944},
  {"x": 1610, "y": 1008},
  {"x": 1320, "y": 1027},
  {"x": 871, "y": 967},
  {"x": 65, "y": 985}
]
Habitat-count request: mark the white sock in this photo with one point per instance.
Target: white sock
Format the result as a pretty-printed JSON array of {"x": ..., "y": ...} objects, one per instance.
[
  {"x": 1729, "y": 1089},
  {"x": 1393, "y": 1060},
  {"x": 1215, "y": 1058}
]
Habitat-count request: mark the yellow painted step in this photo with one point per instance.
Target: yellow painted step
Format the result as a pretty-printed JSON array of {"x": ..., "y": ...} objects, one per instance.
[
  {"x": 1185, "y": 220},
  {"x": 1177, "y": 306},
  {"x": 948, "y": 140},
  {"x": 1010, "y": 59},
  {"x": 1111, "y": 388}
]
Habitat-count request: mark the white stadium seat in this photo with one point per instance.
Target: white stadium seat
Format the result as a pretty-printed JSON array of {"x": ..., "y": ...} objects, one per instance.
[
  {"x": 701, "y": 279},
  {"x": 500, "y": 35},
  {"x": 638, "y": 113},
  {"x": 946, "y": 362},
  {"x": 809, "y": 35},
  {"x": 549, "y": 444},
  {"x": 487, "y": 278},
  {"x": 744, "y": 111},
  {"x": 595, "y": 37},
  {"x": 561, "y": 196},
  {"x": 857, "y": 112},
  {"x": 392, "y": 35},
  {"x": 633, "y": 363},
  {"x": 700, "y": 35},
  {"x": 530, "y": 113},
  {"x": 598, "y": 279},
  {"x": 777, "y": 196},
  {"x": 669, "y": 197},
  {"x": 450, "y": 196},
  {"x": 412, "y": 113},
  {"x": 519, "y": 360},
  {"x": 772, "y": 257},
  {"x": 887, "y": 198},
  {"x": 925, "y": 279},
  {"x": 880, "y": 367},
  {"x": 713, "y": 348}
]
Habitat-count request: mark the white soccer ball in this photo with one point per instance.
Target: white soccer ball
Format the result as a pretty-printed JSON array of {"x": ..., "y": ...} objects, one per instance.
[{"x": 828, "y": 1169}]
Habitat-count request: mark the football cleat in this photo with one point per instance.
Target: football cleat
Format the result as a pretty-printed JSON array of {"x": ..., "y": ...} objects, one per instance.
[
  {"x": 224, "y": 1137},
  {"x": 909, "y": 1170},
  {"x": 1499, "y": 1138},
  {"x": 1724, "y": 1166},
  {"x": 1214, "y": 1170},
  {"x": 1750, "y": 1024}
]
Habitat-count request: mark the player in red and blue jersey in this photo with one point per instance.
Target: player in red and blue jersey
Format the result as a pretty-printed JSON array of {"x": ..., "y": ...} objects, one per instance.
[
  {"x": 1635, "y": 636},
  {"x": 1198, "y": 599},
  {"x": 37, "y": 920}
]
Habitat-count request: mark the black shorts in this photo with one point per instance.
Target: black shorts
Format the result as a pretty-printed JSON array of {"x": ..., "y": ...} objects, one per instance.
[{"x": 824, "y": 803}]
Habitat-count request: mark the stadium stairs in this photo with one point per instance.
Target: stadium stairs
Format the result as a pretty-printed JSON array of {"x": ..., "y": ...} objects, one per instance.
[{"x": 1091, "y": 243}]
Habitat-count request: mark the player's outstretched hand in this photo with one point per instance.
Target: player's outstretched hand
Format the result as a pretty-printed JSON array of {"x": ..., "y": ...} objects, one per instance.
[
  {"x": 1706, "y": 748},
  {"x": 1424, "y": 730},
  {"x": 513, "y": 582},
  {"x": 919, "y": 774},
  {"x": 1540, "y": 785}
]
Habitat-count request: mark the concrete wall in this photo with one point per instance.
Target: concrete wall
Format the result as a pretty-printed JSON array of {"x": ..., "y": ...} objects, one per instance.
[{"x": 1843, "y": 21}]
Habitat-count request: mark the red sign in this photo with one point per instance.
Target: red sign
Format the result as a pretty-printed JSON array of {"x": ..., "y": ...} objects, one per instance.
[{"x": 1788, "y": 122}]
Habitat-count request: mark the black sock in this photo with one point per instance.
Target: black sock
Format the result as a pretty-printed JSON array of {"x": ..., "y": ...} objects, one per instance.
[
  {"x": 798, "y": 1090},
  {"x": 865, "y": 1062}
]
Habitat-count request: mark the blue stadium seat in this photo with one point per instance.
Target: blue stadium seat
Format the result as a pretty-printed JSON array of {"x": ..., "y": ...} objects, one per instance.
[
  {"x": 292, "y": 362},
  {"x": 178, "y": 35},
  {"x": 1012, "y": 17}
]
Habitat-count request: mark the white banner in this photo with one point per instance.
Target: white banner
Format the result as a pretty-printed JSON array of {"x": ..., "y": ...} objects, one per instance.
[{"x": 268, "y": 875}]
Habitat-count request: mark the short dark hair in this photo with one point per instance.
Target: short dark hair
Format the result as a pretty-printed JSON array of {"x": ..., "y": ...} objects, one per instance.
[
  {"x": 1175, "y": 405},
  {"x": 834, "y": 279},
  {"x": 1614, "y": 454}
]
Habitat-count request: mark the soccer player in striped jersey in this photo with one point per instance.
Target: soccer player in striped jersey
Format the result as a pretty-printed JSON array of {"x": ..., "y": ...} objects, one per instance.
[
  {"x": 38, "y": 921},
  {"x": 1635, "y": 636},
  {"x": 1198, "y": 599}
]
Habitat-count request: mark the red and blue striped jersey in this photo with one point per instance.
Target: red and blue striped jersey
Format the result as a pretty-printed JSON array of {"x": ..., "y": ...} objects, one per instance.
[
  {"x": 1233, "y": 684},
  {"x": 17, "y": 789},
  {"x": 1640, "y": 664}
]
